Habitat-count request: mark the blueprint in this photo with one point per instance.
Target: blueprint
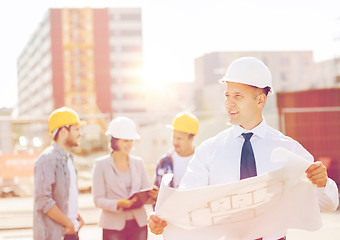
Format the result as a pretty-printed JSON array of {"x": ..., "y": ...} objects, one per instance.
[{"x": 260, "y": 206}]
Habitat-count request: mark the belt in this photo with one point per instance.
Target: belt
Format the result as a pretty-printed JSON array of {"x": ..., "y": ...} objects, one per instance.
[{"x": 283, "y": 238}]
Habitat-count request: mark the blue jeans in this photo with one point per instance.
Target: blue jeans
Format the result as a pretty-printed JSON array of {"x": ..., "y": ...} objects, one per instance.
[
  {"x": 283, "y": 238},
  {"x": 131, "y": 231}
]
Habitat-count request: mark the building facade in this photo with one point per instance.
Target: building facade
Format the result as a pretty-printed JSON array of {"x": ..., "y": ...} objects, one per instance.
[
  {"x": 88, "y": 59},
  {"x": 312, "y": 117},
  {"x": 5, "y": 129},
  {"x": 326, "y": 74}
]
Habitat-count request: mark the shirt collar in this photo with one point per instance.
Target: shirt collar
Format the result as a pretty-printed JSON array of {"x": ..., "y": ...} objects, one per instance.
[
  {"x": 259, "y": 130},
  {"x": 61, "y": 151}
]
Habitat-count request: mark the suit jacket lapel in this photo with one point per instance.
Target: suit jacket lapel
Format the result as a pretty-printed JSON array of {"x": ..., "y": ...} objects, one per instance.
[
  {"x": 117, "y": 181},
  {"x": 134, "y": 177}
]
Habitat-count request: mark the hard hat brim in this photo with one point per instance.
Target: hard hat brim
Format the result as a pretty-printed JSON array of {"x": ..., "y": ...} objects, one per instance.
[
  {"x": 225, "y": 80},
  {"x": 135, "y": 137},
  {"x": 173, "y": 128},
  {"x": 82, "y": 123}
]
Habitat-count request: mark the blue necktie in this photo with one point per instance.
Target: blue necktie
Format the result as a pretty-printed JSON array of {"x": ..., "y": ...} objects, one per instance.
[{"x": 248, "y": 165}]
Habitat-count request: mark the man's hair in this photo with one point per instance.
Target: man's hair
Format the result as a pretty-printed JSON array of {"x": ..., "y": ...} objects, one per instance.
[
  {"x": 58, "y": 130},
  {"x": 265, "y": 90},
  {"x": 114, "y": 145},
  {"x": 191, "y": 135}
]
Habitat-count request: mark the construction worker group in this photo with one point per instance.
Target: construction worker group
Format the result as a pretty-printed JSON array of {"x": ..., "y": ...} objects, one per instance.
[{"x": 239, "y": 152}]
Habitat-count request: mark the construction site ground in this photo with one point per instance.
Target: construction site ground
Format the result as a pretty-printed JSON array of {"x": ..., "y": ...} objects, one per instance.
[{"x": 16, "y": 221}]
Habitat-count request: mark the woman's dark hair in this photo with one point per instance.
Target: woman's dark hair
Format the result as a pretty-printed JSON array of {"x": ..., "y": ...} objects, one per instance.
[{"x": 114, "y": 144}]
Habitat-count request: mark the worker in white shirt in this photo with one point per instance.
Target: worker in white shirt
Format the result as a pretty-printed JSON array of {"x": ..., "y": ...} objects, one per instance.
[
  {"x": 244, "y": 150},
  {"x": 56, "y": 214},
  {"x": 185, "y": 128}
]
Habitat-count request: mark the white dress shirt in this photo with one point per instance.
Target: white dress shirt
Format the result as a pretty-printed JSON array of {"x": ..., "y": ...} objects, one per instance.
[{"x": 217, "y": 161}]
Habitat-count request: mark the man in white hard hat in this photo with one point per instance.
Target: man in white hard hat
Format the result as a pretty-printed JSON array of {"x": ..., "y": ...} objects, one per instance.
[
  {"x": 55, "y": 181},
  {"x": 244, "y": 150},
  {"x": 185, "y": 128}
]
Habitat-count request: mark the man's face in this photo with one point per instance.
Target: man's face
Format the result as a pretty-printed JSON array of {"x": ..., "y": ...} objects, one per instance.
[
  {"x": 182, "y": 142},
  {"x": 74, "y": 133},
  {"x": 244, "y": 104}
]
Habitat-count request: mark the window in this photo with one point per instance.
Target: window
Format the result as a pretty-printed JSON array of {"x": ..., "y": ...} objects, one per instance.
[
  {"x": 337, "y": 79},
  {"x": 126, "y": 33},
  {"x": 130, "y": 17},
  {"x": 284, "y": 61},
  {"x": 283, "y": 76},
  {"x": 132, "y": 48}
]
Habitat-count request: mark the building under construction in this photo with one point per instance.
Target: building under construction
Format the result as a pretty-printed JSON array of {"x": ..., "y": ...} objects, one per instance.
[{"x": 87, "y": 59}]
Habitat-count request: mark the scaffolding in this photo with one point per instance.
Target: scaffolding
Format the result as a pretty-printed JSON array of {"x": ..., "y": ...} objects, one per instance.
[{"x": 78, "y": 60}]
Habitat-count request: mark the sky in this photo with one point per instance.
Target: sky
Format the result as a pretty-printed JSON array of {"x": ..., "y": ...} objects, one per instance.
[{"x": 178, "y": 31}]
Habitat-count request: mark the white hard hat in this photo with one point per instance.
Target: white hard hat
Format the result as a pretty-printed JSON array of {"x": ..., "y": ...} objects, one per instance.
[
  {"x": 122, "y": 128},
  {"x": 250, "y": 71}
]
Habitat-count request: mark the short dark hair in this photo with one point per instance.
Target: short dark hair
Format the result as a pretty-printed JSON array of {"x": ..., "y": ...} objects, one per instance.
[
  {"x": 57, "y": 134},
  {"x": 191, "y": 135},
  {"x": 266, "y": 90},
  {"x": 114, "y": 145}
]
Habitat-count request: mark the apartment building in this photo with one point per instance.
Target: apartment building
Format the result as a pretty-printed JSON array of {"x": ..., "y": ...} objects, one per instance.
[{"x": 88, "y": 59}]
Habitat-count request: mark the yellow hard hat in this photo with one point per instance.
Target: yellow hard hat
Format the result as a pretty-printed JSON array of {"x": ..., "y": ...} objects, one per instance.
[
  {"x": 63, "y": 117},
  {"x": 185, "y": 122}
]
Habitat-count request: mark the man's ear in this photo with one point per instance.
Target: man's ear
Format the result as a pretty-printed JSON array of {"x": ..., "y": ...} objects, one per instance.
[
  {"x": 63, "y": 131},
  {"x": 261, "y": 99}
]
